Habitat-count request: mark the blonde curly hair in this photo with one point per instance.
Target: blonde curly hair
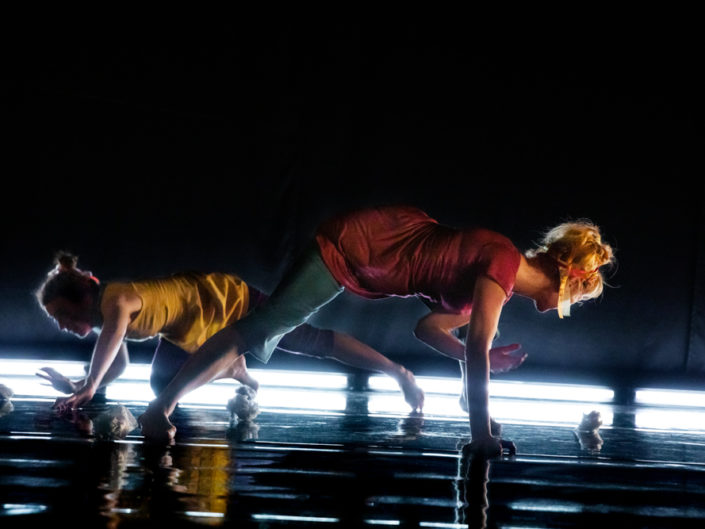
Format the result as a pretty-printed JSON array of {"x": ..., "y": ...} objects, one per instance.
[{"x": 579, "y": 251}]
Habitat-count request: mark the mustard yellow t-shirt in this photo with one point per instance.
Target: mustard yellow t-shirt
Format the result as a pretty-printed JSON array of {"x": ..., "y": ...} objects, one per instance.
[{"x": 185, "y": 309}]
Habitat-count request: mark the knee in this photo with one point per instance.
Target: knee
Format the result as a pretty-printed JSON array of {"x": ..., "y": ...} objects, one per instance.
[{"x": 309, "y": 341}]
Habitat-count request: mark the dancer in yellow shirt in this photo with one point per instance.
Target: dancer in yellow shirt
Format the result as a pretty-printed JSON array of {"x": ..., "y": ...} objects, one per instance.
[{"x": 183, "y": 310}]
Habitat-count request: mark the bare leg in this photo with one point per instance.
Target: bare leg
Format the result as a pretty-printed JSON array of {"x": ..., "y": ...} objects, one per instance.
[
  {"x": 352, "y": 352},
  {"x": 169, "y": 359},
  {"x": 322, "y": 343},
  {"x": 215, "y": 357},
  {"x": 238, "y": 371}
]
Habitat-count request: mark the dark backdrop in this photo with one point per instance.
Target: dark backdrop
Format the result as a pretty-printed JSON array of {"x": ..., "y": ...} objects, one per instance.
[{"x": 151, "y": 152}]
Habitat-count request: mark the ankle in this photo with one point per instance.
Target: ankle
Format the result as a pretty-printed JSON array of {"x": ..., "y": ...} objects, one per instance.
[{"x": 159, "y": 406}]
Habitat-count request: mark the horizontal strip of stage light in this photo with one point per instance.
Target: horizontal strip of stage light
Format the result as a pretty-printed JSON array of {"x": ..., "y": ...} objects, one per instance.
[
  {"x": 662, "y": 418},
  {"x": 21, "y": 509},
  {"x": 138, "y": 374},
  {"x": 670, "y": 397},
  {"x": 141, "y": 372},
  {"x": 507, "y": 389},
  {"x": 292, "y": 518}
]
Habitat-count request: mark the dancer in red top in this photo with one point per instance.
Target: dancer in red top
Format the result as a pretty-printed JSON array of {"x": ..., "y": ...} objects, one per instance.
[
  {"x": 468, "y": 274},
  {"x": 401, "y": 251}
]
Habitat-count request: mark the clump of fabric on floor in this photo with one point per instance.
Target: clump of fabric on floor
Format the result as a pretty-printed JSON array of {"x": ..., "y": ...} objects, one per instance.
[
  {"x": 587, "y": 432},
  {"x": 243, "y": 404},
  {"x": 6, "y": 405},
  {"x": 5, "y": 393},
  {"x": 115, "y": 423}
]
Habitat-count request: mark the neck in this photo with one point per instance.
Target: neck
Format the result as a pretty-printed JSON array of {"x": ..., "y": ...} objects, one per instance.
[
  {"x": 533, "y": 277},
  {"x": 96, "y": 314}
]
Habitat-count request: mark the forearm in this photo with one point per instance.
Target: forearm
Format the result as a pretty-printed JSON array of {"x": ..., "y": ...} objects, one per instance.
[
  {"x": 443, "y": 342},
  {"x": 105, "y": 353},
  {"x": 117, "y": 368},
  {"x": 477, "y": 389}
]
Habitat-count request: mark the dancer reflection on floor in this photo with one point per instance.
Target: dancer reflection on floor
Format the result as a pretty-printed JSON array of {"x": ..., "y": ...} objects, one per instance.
[
  {"x": 184, "y": 310},
  {"x": 401, "y": 251}
]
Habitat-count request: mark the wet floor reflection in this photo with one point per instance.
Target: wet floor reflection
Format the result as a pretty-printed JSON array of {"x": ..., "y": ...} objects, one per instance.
[
  {"x": 350, "y": 467},
  {"x": 471, "y": 485}
]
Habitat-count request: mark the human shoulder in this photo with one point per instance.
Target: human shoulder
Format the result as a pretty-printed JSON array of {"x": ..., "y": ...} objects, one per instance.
[
  {"x": 499, "y": 259},
  {"x": 120, "y": 296}
]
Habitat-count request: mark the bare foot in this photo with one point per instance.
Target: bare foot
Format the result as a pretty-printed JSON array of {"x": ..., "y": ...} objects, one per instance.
[
  {"x": 413, "y": 394},
  {"x": 238, "y": 371},
  {"x": 156, "y": 426}
]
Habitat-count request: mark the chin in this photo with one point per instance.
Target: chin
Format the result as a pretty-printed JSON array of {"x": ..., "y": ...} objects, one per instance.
[{"x": 543, "y": 308}]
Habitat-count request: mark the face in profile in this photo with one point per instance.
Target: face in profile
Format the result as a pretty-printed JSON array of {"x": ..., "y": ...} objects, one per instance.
[
  {"x": 70, "y": 316},
  {"x": 548, "y": 300}
]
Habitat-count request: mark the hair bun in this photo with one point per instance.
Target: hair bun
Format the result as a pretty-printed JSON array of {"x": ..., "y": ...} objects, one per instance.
[{"x": 65, "y": 260}]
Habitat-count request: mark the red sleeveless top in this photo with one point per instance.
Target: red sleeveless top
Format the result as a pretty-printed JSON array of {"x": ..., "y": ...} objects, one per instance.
[{"x": 401, "y": 251}]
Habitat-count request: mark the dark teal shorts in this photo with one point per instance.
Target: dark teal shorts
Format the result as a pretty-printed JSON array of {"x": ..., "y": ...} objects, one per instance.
[{"x": 304, "y": 289}]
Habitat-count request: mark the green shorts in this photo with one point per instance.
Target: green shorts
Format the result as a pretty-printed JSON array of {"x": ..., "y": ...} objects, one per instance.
[{"x": 304, "y": 289}]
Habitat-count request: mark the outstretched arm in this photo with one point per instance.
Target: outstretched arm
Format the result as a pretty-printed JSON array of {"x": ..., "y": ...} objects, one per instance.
[
  {"x": 116, "y": 317},
  {"x": 488, "y": 299}
]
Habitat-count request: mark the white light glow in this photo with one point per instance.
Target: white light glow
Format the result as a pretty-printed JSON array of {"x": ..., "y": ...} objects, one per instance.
[
  {"x": 306, "y": 399},
  {"x": 562, "y": 392},
  {"x": 291, "y": 518},
  {"x": 523, "y": 390},
  {"x": 128, "y": 391},
  {"x": 383, "y": 522},
  {"x": 385, "y": 397},
  {"x": 444, "y": 525},
  {"x": 511, "y": 410},
  {"x": 545, "y": 506},
  {"x": 218, "y": 395},
  {"x": 299, "y": 379},
  {"x": 522, "y": 527},
  {"x": 563, "y": 413},
  {"x": 670, "y": 419},
  {"x": 202, "y": 514},
  {"x": 435, "y": 385},
  {"x": 32, "y": 387},
  {"x": 30, "y": 367},
  {"x": 670, "y": 397},
  {"x": 19, "y": 509},
  {"x": 137, "y": 372}
]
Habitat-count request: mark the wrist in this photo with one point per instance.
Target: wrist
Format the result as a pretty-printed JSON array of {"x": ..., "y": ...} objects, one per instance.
[{"x": 90, "y": 384}]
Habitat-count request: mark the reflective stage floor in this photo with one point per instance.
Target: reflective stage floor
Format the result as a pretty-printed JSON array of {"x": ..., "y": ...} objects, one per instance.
[{"x": 329, "y": 456}]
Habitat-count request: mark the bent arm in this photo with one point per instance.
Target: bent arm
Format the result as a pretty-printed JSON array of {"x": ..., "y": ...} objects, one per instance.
[
  {"x": 117, "y": 313},
  {"x": 436, "y": 330}
]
